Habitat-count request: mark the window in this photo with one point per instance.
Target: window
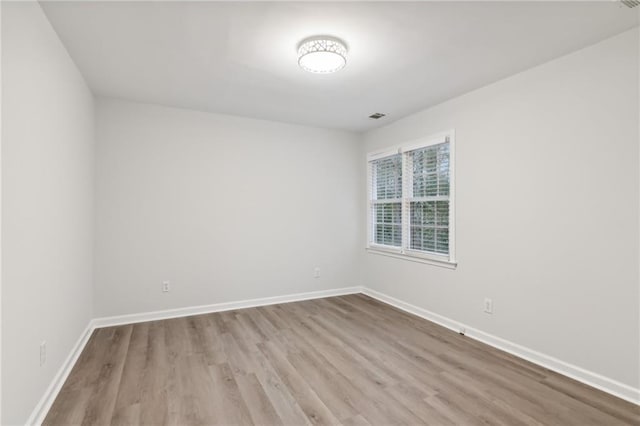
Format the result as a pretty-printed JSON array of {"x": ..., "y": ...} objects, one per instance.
[{"x": 411, "y": 201}]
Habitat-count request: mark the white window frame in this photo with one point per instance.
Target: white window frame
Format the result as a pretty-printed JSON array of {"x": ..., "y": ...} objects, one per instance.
[{"x": 403, "y": 252}]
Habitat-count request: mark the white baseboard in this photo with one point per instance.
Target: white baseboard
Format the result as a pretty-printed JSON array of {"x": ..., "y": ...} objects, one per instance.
[
  {"x": 605, "y": 384},
  {"x": 41, "y": 410},
  {"x": 219, "y": 307},
  {"x": 595, "y": 380}
]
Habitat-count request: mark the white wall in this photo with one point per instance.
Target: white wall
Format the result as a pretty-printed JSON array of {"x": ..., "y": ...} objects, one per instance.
[
  {"x": 47, "y": 214},
  {"x": 547, "y": 210},
  {"x": 226, "y": 208}
]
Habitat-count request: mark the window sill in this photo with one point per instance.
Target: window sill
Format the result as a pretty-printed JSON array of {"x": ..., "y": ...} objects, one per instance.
[{"x": 413, "y": 258}]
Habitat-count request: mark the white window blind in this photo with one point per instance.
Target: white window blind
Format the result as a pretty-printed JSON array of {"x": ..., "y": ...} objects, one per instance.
[{"x": 410, "y": 199}]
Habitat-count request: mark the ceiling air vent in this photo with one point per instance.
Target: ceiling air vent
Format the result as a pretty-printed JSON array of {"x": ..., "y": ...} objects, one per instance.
[
  {"x": 630, "y": 3},
  {"x": 377, "y": 115}
]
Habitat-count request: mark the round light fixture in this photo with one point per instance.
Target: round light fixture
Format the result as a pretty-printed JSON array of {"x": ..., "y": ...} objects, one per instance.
[{"x": 322, "y": 54}]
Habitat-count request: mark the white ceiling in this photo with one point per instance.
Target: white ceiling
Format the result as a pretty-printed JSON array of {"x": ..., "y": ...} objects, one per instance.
[{"x": 240, "y": 58}]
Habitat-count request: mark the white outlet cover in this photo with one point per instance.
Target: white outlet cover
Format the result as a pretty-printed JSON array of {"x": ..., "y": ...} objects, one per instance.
[
  {"x": 43, "y": 353},
  {"x": 488, "y": 305}
]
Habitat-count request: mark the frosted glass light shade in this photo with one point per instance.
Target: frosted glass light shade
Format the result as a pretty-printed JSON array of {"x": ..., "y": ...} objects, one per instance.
[{"x": 322, "y": 55}]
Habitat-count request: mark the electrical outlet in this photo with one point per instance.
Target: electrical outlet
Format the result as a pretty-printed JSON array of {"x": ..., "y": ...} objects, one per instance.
[
  {"x": 488, "y": 305},
  {"x": 316, "y": 272},
  {"x": 43, "y": 353},
  {"x": 166, "y": 286}
]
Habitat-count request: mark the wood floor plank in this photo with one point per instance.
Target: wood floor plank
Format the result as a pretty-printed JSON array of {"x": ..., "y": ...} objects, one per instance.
[
  {"x": 332, "y": 387},
  {"x": 245, "y": 358},
  {"x": 373, "y": 402},
  {"x": 157, "y": 380},
  {"x": 228, "y": 404},
  {"x": 258, "y": 403},
  {"x": 315, "y": 410},
  {"x": 283, "y": 401},
  {"x": 344, "y": 360},
  {"x": 340, "y": 354},
  {"x": 104, "y": 393},
  {"x": 606, "y": 403},
  {"x": 356, "y": 421},
  {"x": 130, "y": 386},
  {"x": 412, "y": 399}
]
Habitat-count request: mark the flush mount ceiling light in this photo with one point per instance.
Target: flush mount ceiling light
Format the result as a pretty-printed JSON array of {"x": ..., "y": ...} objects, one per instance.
[{"x": 322, "y": 54}]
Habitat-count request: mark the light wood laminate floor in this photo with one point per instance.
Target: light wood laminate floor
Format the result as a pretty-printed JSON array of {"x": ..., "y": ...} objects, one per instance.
[{"x": 343, "y": 360}]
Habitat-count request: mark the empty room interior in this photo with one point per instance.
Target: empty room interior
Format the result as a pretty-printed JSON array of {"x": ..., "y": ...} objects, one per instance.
[{"x": 306, "y": 213}]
